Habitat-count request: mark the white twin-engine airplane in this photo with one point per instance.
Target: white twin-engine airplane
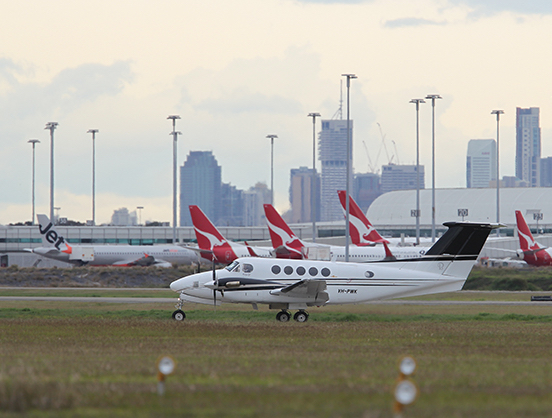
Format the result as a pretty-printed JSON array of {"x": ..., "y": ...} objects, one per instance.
[
  {"x": 298, "y": 284},
  {"x": 55, "y": 247}
]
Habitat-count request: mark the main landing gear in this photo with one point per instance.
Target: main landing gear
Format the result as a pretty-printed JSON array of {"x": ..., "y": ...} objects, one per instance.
[{"x": 285, "y": 316}]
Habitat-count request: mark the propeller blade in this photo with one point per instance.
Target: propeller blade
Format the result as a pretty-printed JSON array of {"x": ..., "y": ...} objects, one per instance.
[{"x": 215, "y": 282}]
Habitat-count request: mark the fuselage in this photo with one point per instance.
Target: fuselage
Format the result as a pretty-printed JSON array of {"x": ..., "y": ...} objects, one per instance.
[
  {"x": 121, "y": 255},
  {"x": 263, "y": 280}
]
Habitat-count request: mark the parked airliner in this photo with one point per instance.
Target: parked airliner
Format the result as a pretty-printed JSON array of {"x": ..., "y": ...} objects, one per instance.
[
  {"x": 217, "y": 248},
  {"x": 299, "y": 284},
  {"x": 531, "y": 251},
  {"x": 54, "y": 246},
  {"x": 363, "y": 232},
  {"x": 287, "y": 245}
]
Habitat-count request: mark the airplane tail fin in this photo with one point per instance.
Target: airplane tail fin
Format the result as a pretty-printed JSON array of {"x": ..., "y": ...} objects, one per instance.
[
  {"x": 206, "y": 233},
  {"x": 50, "y": 237},
  {"x": 462, "y": 239},
  {"x": 284, "y": 240},
  {"x": 526, "y": 240},
  {"x": 361, "y": 230}
]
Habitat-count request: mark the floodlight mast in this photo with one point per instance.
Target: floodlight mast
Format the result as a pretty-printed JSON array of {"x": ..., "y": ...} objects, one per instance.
[
  {"x": 33, "y": 142},
  {"x": 271, "y": 137},
  {"x": 348, "y": 165},
  {"x": 497, "y": 113},
  {"x": 175, "y": 134},
  {"x": 417, "y": 102},
  {"x": 433, "y": 97},
  {"x": 313, "y": 181},
  {"x": 51, "y": 126},
  {"x": 93, "y": 132}
]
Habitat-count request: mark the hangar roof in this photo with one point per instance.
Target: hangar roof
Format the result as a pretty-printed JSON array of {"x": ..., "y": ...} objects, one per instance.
[{"x": 394, "y": 208}]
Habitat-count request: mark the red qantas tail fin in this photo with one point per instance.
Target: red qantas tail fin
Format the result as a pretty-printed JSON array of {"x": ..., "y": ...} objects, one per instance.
[
  {"x": 208, "y": 236},
  {"x": 362, "y": 231},
  {"x": 526, "y": 240},
  {"x": 284, "y": 241}
]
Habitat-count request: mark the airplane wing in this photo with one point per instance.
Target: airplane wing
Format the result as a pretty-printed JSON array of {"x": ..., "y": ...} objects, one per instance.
[
  {"x": 310, "y": 288},
  {"x": 146, "y": 260}
]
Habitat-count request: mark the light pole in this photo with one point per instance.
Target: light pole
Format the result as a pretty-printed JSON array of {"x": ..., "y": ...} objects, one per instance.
[
  {"x": 272, "y": 136},
  {"x": 433, "y": 97},
  {"x": 348, "y": 180},
  {"x": 51, "y": 126},
  {"x": 139, "y": 208},
  {"x": 417, "y": 101},
  {"x": 93, "y": 132},
  {"x": 313, "y": 181},
  {"x": 33, "y": 142},
  {"x": 497, "y": 113},
  {"x": 175, "y": 134}
]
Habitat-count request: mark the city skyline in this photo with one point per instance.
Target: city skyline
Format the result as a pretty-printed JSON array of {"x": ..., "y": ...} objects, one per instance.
[{"x": 234, "y": 78}]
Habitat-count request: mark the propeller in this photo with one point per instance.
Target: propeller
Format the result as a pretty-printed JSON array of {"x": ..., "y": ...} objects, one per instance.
[{"x": 215, "y": 283}]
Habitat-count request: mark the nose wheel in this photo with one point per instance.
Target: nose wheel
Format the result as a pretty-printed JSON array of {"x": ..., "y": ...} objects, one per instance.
[{"x": 179, "y": 315}]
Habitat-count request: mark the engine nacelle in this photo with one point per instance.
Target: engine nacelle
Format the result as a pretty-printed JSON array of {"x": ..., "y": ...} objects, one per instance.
[{"x": 520, "y": 254}]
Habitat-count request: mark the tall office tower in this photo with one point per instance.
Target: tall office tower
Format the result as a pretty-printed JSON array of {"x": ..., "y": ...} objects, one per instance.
[
  {"x": 528, "y": 145},
  {"x": 253, "y": 200},
  {"x": 546, "y": 172},
  {"x": 232, "y": 206},
  {"x": 200, "y": 184},
  {"x": 400, "y": 177},
  {"x": 332, "y": 153},
  {"x": 480, "y": 163},
  {"x": 366, "y": 188},
  {"x": 300, "y": 195}
]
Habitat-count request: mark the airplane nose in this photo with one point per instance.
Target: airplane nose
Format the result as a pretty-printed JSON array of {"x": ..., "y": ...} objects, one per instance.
[{"x": 179, "y": 284}]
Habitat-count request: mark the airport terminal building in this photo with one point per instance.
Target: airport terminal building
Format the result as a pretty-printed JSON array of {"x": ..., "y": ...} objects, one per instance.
[{"x": 390, "y": 214}]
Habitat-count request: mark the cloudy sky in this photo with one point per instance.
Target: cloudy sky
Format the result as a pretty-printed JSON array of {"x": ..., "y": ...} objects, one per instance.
[{"x": 237, "y": 71}]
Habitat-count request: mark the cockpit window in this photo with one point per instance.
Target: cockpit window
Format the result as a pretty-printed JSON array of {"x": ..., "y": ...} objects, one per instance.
[
  {"x": 247, "y": 268},
  {"x": 233, "y": 266}
]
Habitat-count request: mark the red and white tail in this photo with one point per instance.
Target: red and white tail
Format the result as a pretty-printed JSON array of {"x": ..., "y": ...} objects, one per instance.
[
  {"x": 208, "y": 236},
  {"x": 284, "y": 241},
  {"x": 361, "y": 230},
  {"x": 526, "y": 240}
]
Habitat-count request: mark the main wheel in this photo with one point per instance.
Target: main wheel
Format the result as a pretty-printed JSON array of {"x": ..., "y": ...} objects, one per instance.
[
  {"x": 179, "y": 315},
  {"x": 301, "y": 316},
  {"x": 283, "y": 316}
]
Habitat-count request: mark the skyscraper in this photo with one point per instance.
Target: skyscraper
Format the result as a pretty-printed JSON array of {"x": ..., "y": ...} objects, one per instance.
[
  {"x": 300, "y": 192},
  {"x": 528, "y": 145},
  {"x": 332, "y": 153},
  {"x": 200, "y": 184},
  {"x": 480, "y": 162},
  {"x": 366, "y": 188},
  {"x": 400, "y": 177}
]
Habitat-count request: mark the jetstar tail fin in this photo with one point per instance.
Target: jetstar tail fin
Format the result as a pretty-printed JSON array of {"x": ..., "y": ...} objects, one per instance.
[{"x": 50, "y": 237}]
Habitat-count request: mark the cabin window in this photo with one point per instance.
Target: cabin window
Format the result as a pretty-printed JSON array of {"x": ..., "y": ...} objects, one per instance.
[
  {"x": 325, "y": 272},
  {"x": 369, "y": 274},
  {"x": 276, "y": 269},
  {"x": 288, "y": 270},
  {"x": 247, "y": 268},
  {"x": 300, "y": 271},
  {"x": 313, "y": 271},
  {"x": 196, "y": 284}
]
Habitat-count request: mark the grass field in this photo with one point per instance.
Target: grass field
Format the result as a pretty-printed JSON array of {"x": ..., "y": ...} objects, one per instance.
[{"x": 90, "y": 359}]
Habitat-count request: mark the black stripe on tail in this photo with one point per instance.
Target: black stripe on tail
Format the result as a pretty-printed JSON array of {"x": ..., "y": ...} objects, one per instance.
[{"x": 462, "y": 238}]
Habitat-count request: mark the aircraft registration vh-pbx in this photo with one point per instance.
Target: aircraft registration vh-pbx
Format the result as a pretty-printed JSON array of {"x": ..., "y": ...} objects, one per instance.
[{"x": 299, "y": 284}]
